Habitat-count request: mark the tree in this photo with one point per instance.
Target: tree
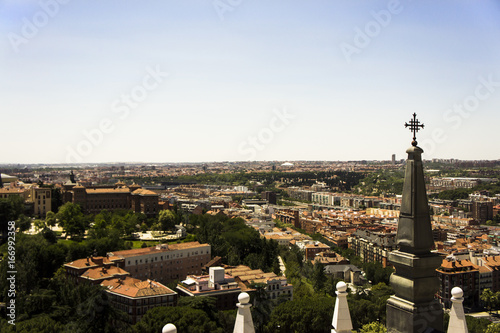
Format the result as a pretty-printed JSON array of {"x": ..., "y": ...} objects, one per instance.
[
  {"x": 40, "y": 324},
  {"x": 206, "y": 304},
  {"x": 304, "y": 315},
  {"x": 373, "y": 327},
  {"x": 50, "y": 219},
  {"x": 23, "y": 223},
  {"x": 71, "y": 219},
  {"x": 263, "y": 305},
  {"x": 167, "y": 219},
  {"x": 477, "y": 325},
  {"x": 185, "y": 318},
  {"x": 10, "y": 210},
  {"x": 489, "y": 298},
  {"x": 318, "y": 277},
  {"x": 39, "y": 224},
  {"x": 493, "y": 328}
]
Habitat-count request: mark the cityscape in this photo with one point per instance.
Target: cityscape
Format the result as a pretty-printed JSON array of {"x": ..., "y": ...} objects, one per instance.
[{"x": 250, "y": 167}]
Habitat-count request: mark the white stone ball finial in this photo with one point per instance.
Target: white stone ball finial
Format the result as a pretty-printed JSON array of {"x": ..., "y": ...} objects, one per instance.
[
  {"x": 457, "y": 292},
  {"x": 243, "y": 298},
  {"x": 169, "y": 328},
  {"x": 341, "y": 286}
]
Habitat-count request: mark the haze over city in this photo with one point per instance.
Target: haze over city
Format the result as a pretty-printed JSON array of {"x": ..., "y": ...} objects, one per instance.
[{"x": 193, "y": 81}]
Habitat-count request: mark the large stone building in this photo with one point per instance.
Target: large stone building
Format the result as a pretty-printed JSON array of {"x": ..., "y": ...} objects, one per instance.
[
  {"x": 136, "y": 297},
  {"x": 165, "y": 263},
  {"x": 120, "y": 196},
  {"x": 130, "y": 295}
]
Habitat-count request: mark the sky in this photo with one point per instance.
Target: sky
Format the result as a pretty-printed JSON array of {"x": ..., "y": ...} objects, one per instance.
[{"x": 87, "y": 81}]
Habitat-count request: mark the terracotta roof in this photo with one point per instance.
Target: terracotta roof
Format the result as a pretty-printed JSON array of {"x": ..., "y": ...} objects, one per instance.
[
  {"x": 102, "y": 273},
  {"x": 12, "y": 190},
  {"x": 136, "y": 288},
  {"x": 92, "y": 262},
  {"x": 157, "y": 249},
  {"x": 142, "y": 191},
  {"x": 457, "y": 264},
  {"x": 484, "y": 269},
  {"x": 106, "y": 190},
  {"x": 492, "y": 261}
]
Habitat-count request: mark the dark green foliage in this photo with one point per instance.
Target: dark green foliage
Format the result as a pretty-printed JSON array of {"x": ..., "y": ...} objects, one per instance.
[
  {"x": 23, "y": 223},
  {"x": 10, "y": 210},
  {"x": 235, "y": 241},
  {"x": 383, "y": 181},
  {"x": 342, "y": 179},
  {"x": 369, "y": 306},
  {"x": 318, "y": 278},
  {"x": 40, "y": 324},
  {"x": 476, "y": 325},
  {"x": 376, "y": 273},
  {"x": 303, "y": 315},
  {"x": 185, "y": 318},
  {"x": 167, "y": 220},
  {"x": 72, "y": 220},
  {"x": 49, "y": 235},
  {"x": 460, "y": 193},
  {"x": 206, "y": 304}
]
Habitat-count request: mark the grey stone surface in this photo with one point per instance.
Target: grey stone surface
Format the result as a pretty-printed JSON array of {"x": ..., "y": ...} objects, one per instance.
[{"x": 413, "y": 307}]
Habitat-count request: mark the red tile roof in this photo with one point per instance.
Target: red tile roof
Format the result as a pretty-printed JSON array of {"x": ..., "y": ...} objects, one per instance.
[{"x": 136, "y": 288}]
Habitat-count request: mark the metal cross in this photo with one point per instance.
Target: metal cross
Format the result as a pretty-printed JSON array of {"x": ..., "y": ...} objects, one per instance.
[{"x": 414, "y": 127}]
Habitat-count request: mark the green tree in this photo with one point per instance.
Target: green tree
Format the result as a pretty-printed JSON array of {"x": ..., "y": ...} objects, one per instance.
[
  {"x": 39, "y": 324},
  {"x": 185, "y": 318},
  {"x": 263, "y": 305},
  {"x": 373, "y": 327},
  {"x": 167, "y": 219},
  {"x": 493, "y": 328},
  {"x": 490, "y": 299},
  {"x": 304, "y": 315},
  {"x": 318, "y": 277},
  {"x": 71, "y": 219},
  {"x": 476, "y": 325},
  {"x": 206, "y": 304},
  {"x": 10, "y": 210},
  {"x": 50, "y": 219},
  {"x": 23, "y": 223}
]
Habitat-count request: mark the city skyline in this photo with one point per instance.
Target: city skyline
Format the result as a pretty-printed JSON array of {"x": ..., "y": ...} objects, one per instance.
[{"x": 203, "y": 81}]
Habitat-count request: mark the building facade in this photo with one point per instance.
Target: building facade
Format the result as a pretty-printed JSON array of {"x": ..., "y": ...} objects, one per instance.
[
  {"x": 165, "y": 263},
  {"x": 95, "y": 199}
]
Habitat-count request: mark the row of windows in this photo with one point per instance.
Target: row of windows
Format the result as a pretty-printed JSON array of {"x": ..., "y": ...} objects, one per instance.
[{"x": 174, "y": 255}]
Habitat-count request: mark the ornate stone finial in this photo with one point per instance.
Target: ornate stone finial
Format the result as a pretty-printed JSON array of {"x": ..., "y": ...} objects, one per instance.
[
  {"x": 341, "y": 322},
  {"x": 457, "y": 323},
  {"x": 169, "y": 328},
  {"x": 244, "y": 322},
  {"x": 414, "y": 127}
]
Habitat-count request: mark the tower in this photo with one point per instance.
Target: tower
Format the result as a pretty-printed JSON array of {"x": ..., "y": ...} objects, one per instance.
[{"x": 413, "y": 308}]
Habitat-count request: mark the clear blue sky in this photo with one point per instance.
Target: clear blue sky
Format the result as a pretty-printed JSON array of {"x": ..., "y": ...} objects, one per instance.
[{"x": 346, "y": 74}]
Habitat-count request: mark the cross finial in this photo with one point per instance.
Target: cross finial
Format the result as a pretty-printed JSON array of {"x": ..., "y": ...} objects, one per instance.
[{"x": 414, "y": 127}]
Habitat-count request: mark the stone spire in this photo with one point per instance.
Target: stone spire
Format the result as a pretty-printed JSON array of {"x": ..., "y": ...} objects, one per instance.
[
  {"x": 457, "y": 323},
  {"x": 414, "y": 227},
  {"x": 341, "y": 317},
  {"x": 413, "y": 307},
  {"x": 244, "y": 322}
]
